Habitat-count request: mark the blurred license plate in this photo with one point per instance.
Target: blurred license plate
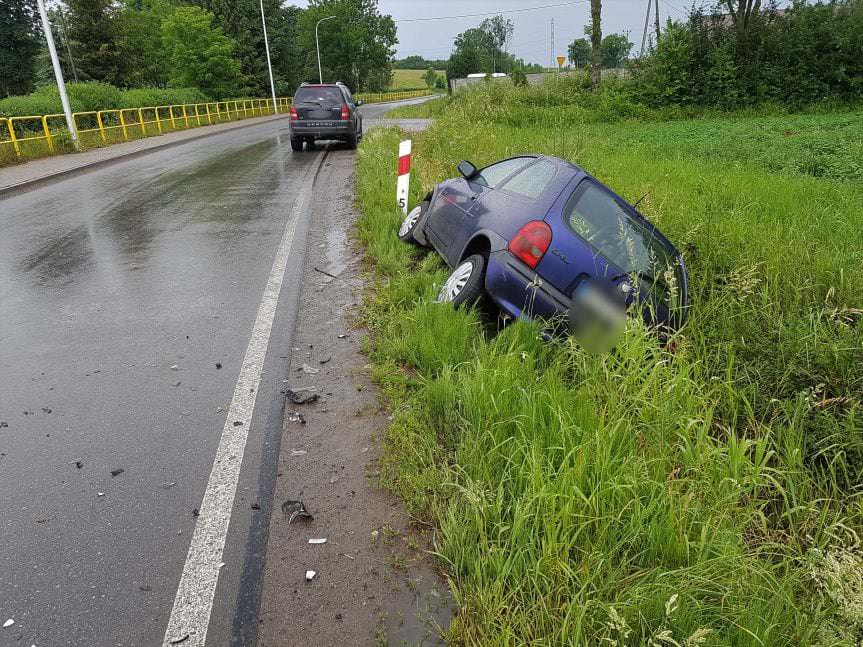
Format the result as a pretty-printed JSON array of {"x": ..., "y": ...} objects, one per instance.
[{"x": 596, "y": 319}]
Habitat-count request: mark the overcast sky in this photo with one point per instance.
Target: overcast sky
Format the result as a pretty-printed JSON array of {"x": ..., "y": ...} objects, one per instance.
[{"x": 532, "y": 37}]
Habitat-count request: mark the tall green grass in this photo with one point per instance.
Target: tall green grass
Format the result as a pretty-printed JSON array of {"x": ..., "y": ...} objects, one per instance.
[{"x": 703, "y": 493}]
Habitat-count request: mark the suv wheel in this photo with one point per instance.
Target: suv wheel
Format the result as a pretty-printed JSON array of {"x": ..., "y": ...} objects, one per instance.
[
  {"x": 352, "y": 141},
  {"x": 466, "y": 284},
  {"x": 296, "y": 144}
]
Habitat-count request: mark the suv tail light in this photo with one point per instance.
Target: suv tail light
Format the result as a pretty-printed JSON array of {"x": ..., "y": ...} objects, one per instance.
[
  {"x": 294, "y": 115},
  {"x": 345, "y": 113},
  {"x": 531, "y": 242}
]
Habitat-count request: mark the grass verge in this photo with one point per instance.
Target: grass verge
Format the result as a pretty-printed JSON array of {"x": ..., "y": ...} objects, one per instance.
[{"x": 705, "y": 495}]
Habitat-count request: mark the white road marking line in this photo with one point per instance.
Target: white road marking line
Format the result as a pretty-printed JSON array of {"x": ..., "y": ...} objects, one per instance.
[{"x": 193, "y": 604}]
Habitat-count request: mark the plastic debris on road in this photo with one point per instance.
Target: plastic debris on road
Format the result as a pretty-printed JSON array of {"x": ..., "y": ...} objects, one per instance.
[
  {"x": 322, "y": 540},
  {"x": 310, "y": 575},
  {"x": 11, "y": 622},
  {"x": 295, "y": 416},
  {"x": 296, "y": 510},
  {"x": 302, "y": 396},
  {"x": 310, "y": 370}
]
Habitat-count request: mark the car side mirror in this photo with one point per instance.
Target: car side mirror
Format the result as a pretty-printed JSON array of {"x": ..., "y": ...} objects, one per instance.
[
  {"x": 468, "y": 171},
  {"x": 360, "y": 102}
]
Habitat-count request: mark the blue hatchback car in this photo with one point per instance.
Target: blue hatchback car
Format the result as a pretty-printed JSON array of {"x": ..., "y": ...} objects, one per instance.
[{"x": 534, "y": 232}]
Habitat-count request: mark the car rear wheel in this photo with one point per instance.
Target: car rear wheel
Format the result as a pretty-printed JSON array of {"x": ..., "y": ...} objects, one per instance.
[
  {"x": 466, "y": 284},
  {"x": 352, "y": 141},
  {"x": 296, "y": 144},
  {"x": 411, "y": 222}
]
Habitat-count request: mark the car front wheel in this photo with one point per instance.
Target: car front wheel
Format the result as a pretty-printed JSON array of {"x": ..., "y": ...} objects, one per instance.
[
  {"x": 410, "y": 223},
  {"x": 466, "y": 284}
]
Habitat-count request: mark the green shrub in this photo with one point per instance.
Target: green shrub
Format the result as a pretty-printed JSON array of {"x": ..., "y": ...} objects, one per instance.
[{"x": 89, "y": 96}]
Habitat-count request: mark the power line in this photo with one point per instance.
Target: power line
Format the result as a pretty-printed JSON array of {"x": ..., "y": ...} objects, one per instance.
[{"x": 496, "y": 13}]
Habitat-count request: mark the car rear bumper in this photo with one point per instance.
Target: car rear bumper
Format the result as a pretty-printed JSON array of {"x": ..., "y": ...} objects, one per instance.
[
  {"x": 520, "y": 291},
  {"x": 323, "y": 130}
]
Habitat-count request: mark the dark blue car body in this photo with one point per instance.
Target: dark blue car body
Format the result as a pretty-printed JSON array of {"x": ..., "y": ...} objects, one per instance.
[{"x": 481, "y": 214}]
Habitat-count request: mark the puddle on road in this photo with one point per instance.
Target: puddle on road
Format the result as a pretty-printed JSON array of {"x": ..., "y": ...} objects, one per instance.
[{"x": 424, "y": 610}]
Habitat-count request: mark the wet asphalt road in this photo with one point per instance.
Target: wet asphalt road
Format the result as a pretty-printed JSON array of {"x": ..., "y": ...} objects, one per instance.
[{"x": 127, "y": 296}]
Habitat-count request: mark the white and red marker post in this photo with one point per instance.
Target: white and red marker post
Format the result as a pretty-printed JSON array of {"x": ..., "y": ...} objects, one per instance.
[{"x": 404, "y": 179}]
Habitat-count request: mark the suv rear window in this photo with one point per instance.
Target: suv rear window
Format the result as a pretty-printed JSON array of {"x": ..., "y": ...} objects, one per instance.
[{"x": 319, "y": 95}]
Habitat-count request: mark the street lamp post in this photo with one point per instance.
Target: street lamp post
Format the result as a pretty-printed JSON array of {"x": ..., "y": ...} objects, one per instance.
[
  {"x": 318, "y": 45},
  {"x": 58, "y": 74},
  {"x": 269, "y": 65}
]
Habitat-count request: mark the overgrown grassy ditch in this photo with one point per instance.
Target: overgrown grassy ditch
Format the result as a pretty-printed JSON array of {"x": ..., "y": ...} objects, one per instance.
[{"x": 705, "y": 493}]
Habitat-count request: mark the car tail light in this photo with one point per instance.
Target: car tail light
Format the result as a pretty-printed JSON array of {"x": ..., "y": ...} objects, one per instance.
[
  {"x": 294, "y": 115},
  {"x": 531, "y": 242},
  {"x": 345, "y": 113}
]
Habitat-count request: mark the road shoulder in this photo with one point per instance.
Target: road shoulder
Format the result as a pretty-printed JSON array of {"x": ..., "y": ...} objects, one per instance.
[{"x": 373, "y": 582}]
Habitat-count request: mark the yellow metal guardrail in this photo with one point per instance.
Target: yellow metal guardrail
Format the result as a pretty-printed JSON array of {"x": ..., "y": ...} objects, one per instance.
[
  {"x": 38, "y": 135},
  {"x": 383, "y": 97}
]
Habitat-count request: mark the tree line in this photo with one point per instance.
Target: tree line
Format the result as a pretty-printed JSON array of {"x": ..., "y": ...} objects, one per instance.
[{"x": 216, "y": 46}]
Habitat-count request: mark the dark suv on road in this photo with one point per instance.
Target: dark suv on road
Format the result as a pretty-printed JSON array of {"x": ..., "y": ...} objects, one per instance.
[{"x": 325, "y": 111}]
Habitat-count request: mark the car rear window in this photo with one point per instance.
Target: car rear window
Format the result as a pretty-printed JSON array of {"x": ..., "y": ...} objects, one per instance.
[
  {"x": 532, "y": 181},
  {"x": 318, "y": 95},
  {"x": 625, "y": 241}
]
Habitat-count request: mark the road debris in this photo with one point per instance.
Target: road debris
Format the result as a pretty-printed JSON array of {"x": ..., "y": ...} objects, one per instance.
[
  {"x": 343, "y": 336},
  {"x": 321, "y": 540},
  {"x": 296, "y": 510},
  {"x": 299, "y": 452},
  {"x": 196, "y": 512},
  {"x": 309, "y": 370},
  {"x": 100, "y": 494},
  {"x": 325, "y": 273},
  {"x": 256, "y": 506},
  {"x": 145, "y": 587},
  {"x": 167, "y": 485},
  {"x": 176, "y": 383},
  {"x": 79, "y": 464},
  {"x": 218, "y": 366},
  {"x": 238, "y": 423},
  {"x": 295, "y": 416},
  {"x": 302, "y": 396},
  {"x": 117, "y": 472},
  {"x": 175, "y": 367},
  {"x": 179, "y": 640},
  {"x": 310, "y": 575},
  {"x": 11, "y": 622},
  {"x": 326, "y": 359}
]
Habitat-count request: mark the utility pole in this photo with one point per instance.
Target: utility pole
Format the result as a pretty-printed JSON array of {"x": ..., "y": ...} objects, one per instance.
[
  {"x": 318, "y": 46},
  {"x": 551, "y": 59},
  {"x": 657, "y": 23},
  {"x": 646, "y": 25},
  {"x": 269, "y": 65},
  {"x": 58, "y": 74}
]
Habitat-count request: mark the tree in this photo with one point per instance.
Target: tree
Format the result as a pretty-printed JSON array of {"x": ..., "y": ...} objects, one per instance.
[
  {"x": 430, "y": 77},
  {"x": 19, "y": 46},
  {"x": 596, "y": 42},
  {"x": 579, "y": 52},
  {"x": 138, "y": 40},
  {"x": 357, "y": 47},
  {"x": 470, "y": 54},
  {"x": 615, "y": 50},
  {"x": 499, "y": 31},
  {"x": 92, "y": 40},
  {"x": 200, "y": 55}
]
